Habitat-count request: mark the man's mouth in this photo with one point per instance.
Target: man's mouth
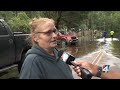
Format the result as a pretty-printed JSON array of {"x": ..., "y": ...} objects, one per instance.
[{"x": 54, "y": 41}]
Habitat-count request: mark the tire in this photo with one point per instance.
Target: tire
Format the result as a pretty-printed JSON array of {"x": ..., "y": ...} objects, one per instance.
[{"x": 21, "y": 62}]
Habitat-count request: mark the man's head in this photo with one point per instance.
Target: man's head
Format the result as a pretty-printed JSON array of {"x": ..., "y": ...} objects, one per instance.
[{"x": 43, "y": 32}]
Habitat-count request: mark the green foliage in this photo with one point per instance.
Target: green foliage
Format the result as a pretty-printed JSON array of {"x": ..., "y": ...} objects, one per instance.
[
  {"x": 20, "y": 23},
  {"x": 6, "y": 15},
  {"x": 73, "y": 19},
  {"x": 105, "y": 21},
  {"x": 99, "y": 20}
]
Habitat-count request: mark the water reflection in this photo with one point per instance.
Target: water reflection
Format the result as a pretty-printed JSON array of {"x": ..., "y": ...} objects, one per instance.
[
  {"x": 110, "y": 46},
  {"x": 81, "y": 49},
  {"x": 115, "y": 48}
]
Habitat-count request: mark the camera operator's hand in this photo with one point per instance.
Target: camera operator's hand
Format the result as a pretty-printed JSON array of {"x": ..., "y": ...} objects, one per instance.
[{"x": 84, "y": 64}]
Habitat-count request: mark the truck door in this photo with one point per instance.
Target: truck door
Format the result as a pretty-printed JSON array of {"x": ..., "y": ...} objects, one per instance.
[{"x": 6, "y": 47}]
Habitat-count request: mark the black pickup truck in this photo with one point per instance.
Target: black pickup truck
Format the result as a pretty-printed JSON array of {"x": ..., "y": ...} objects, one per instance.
[{"x": 13, "y": 47}]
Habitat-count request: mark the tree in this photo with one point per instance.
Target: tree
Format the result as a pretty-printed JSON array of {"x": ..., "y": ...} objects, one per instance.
[{"x": 20, "y": 23}]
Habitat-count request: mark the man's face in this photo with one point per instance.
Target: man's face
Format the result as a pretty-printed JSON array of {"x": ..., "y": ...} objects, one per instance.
[{"x": 47, "y": 35}]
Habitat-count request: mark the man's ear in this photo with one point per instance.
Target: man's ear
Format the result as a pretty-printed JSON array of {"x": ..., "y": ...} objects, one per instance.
[{"x": 36, "y": 39}]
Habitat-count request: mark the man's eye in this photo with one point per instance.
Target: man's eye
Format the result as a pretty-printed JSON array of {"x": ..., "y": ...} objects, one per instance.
[
  {"x": 54, "y": 31},
  {"x": 49, "y": 32}
]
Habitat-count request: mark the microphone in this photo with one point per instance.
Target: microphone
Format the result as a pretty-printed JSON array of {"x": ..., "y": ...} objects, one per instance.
[{"x": 68, "y": 58}]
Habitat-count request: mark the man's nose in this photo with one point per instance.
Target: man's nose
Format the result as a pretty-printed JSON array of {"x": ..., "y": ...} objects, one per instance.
[{"x": 54, "y": 34}]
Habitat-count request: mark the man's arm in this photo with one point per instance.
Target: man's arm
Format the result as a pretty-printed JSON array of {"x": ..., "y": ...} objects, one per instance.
[
  {"x": 110, "y": 75},
  {"x": 94, "y": 70}
]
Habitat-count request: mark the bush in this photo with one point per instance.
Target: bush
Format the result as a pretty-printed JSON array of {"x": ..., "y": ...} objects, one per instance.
[{"x": 20, "y": 23}]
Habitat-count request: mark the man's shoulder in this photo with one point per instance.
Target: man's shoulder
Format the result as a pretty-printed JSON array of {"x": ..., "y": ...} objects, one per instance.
[{"x": 31, "y": 58}]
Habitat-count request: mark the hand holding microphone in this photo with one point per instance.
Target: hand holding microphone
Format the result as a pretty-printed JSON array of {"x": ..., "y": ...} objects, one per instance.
[
  {"x": 69, "y": 59},
  {"x": 82, "y": 72}
]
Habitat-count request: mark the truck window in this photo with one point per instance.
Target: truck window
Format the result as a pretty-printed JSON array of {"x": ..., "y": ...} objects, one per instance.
[{"x": 3, "y": 31}]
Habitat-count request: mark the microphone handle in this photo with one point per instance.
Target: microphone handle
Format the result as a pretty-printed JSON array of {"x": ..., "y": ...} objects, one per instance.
[{"x": 85, "y": 73}]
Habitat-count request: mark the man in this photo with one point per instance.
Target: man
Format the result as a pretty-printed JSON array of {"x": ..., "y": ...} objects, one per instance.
[
  {"x": 104, "y": 34},
  {"x": 111, "y": 34}
]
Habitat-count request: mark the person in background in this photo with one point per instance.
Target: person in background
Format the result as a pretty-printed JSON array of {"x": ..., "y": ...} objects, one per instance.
[
  {"x": 111, "y": 34},
  {"x": 42, "y": 60},
  {"x": 104, "y": 35},
  {"x": 95, "y": 70}
]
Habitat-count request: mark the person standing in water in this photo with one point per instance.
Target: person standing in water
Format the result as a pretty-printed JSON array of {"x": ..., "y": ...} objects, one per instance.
[{"x": 111, "y": 34}]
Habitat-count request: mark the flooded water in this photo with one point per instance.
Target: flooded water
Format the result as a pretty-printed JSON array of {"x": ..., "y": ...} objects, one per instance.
[
  {"x": 87, "y": 48},
  {"x": 89, "y": 51},
  {"x": 111, "y": 54},
  {"x": 116, "y": 48},
  {"x": 81, "y": 49},
  {"x": 111, "y": 46}
]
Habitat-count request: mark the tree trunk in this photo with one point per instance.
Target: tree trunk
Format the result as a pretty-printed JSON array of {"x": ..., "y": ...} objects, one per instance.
[{"x": 58, "y": 19}]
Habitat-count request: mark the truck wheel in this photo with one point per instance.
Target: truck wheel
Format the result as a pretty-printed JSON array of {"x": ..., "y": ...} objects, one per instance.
[{"x": 21, "y": 62}]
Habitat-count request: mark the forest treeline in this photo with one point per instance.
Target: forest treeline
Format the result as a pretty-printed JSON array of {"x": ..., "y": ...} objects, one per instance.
[{"x": 79, "y": 20}]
